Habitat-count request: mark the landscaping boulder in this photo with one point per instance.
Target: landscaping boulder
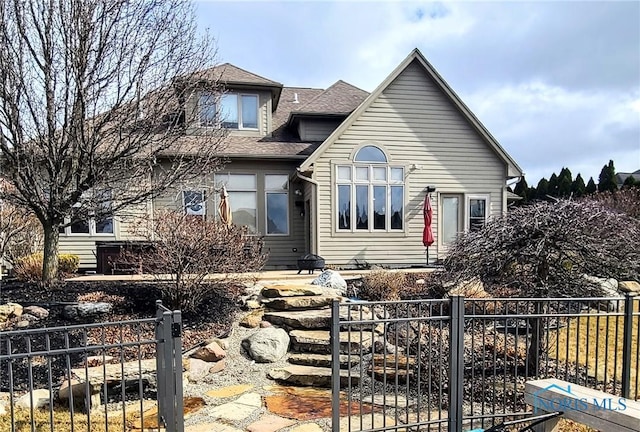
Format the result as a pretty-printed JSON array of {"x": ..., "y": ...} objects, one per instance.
[
  {"x": 267, "y": 345},
  {"x": 86, "y": 310},
  {"x": 40, "y": 397},
  {"x": 36, "y": 311},
  {"x": 9, "y": 310},
  {"x": 198, "y": 369},
  {"x": 212, "y": 352},
  {"x": 331, "y": 279},
  {"x": 252, "y": 319},
  {"x": 75, "y": 388},
  {"x": 629, "y": 287}
]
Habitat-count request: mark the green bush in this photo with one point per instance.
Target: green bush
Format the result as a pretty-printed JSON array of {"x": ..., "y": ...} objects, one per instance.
[
  {"x": 382, "y": 285},
  {"x": 29, "y": 268}
]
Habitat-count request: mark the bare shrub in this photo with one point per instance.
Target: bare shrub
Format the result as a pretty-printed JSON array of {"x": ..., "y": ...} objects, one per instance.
[
  {"x": 20, "y": 232},
  {"x": 625, "y": 200},
  {"x": 382, "y": 285},
  {"x": 186, "y": 249},
  {"x": 29, "y": 268}
]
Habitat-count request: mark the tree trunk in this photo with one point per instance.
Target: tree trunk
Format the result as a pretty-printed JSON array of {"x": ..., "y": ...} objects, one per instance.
[{"x": 50, "y": 256}]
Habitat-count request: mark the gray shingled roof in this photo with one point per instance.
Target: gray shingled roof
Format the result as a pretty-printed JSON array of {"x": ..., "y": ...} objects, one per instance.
[
  {"x": 230, "y": 74},
  {"x": 340, "y": 98},
  {"x": 621, "y": 177}
]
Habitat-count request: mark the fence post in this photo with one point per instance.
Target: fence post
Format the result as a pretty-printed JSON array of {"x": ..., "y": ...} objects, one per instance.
[
  {"x": 161, "y": 344},
  {"x": 334, "y": 340},
  {"x": 626, "y": 344},
  {"x": 456, "y": 363},
  {"x": 176, "y": 333}
]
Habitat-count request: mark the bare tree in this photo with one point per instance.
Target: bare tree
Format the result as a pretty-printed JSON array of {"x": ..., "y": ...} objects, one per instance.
[
  {"x": 92, "y": 97},
  {"x": 184, "y": 250}
]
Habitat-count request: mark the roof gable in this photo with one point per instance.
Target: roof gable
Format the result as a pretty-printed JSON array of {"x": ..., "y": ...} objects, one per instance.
[
  {"x": 513, "y": 169},
  {"x": 227, "y": 73}
]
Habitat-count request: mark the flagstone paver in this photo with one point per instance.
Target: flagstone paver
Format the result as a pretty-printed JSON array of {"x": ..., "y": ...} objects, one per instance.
[
  {"x": 229, "y": 391},
  {"x": 239, "y": 409},
  {"x": 211, "y": 427},
  {"x": 307, "y": 427},
  {"x": 358, "y": 423},
  {"x": 270, "y": 423}
]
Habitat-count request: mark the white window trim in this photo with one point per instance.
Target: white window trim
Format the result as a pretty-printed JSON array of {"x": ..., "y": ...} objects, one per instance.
[
  {"x": 92, "y": 229},
  {"x": 218, "y": 122},
  {"x": 370, "y": 183},
  {"x": 461, "y": 214},
  {"x": 266, "y": 215},
  {"x": 467, "y": 208}
]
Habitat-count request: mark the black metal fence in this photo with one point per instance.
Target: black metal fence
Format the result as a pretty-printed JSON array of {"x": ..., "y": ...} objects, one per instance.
[
  {"x": 461, "y": 363},
  {"x": 104, "y": 376}
]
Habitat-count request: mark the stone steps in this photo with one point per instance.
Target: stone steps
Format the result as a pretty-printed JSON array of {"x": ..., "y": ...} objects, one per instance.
[
  {"x": 299, "y": 302},
  {"x": 316, "y": 319},
  {"x": 322, "y": 360},
  {"x": 298, "y": 375},
  {"x": 318, "y": 341}
]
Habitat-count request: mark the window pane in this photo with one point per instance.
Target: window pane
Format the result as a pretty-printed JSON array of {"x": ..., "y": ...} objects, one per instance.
[
  {"x": 397, "y": 206},
  {"x": 104, "y": 226},
  {"x": 250, "y": 111},
  {"x": 242, "y": 182},
  {"x": 370, "y": 154},
  {"x": 193, "y": 202},
  {"x": 344, "y": 173},
  {"x": 207, "y": 107},
  {"x": 243, "y": 209},
  {"x": 450, "y": 218},
  {"x": 362, "y": 207},
  {"x": 380, "y": 173},
  {"x": 477, "y": 213},
  {"x": 80, "y": 227},
  {"x": 344, "y": 207},
  {"x": 276, "y": 181},
  {"x": 229, "y": 111},
  {"x": 362, "y": 173},
  {"x": 397, "y": 174},
  {"x": 277, "y": 214},
  {"x": 379, "y": 207}
]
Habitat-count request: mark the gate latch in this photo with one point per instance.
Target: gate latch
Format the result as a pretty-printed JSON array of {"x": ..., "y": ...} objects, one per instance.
[{"x": 176, "y": 330}]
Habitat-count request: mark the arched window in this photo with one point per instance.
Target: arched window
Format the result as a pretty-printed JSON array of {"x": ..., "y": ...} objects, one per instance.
[
  {"x": 370, "y": 193},
  {"x": 370, "y": 154}
]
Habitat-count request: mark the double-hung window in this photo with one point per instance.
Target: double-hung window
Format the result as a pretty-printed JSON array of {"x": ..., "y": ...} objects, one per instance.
[
  {"x": 370, "y": 193},
  {"x": 277, "y": 203},
  {"x": 242, "y": 190},
  {"x": 91, "y": 216},
  {"x": 230, "y": 110}
]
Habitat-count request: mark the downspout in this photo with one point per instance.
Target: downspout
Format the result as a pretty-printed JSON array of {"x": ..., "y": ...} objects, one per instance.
[{"x": 314, "y": 216}]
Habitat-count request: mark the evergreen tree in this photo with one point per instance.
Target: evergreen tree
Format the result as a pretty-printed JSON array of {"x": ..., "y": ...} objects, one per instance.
[
  {"x": 591, "y": 186},
  {"x": 607, "y": 178},
  {"x": 552, "y": 188},
  {"x": 522, "y": 189},
  {"x": 630, "y": 182},
  {"x": 542, "y": 189},
  {"x": 532, "y": 193},
  {"x": 578, "y": 188},
  {"x": 564, "y": 183}
]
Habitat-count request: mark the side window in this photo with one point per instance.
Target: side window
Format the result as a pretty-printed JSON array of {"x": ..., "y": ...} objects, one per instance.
[
  {"x": 450, "y": 216},
  {"x": 193, "y": 203},
  {"x": 277, "y": 203},
  {"x": 477, "y": 212},
  {"x": 242, "y": 190}
]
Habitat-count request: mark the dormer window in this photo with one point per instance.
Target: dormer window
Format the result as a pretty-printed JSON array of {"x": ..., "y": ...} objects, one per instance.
[{"x": 230, "y": 111}]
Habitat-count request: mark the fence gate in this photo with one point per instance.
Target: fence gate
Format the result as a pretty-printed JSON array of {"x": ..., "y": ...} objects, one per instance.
[{"x": 107, "y": 375}]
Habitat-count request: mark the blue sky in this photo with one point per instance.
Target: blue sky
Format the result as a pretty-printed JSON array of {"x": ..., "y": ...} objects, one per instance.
[{"x": 557, "y": 83}]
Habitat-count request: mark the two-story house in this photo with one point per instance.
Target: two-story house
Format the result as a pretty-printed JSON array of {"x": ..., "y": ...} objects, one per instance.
[{"x": 340, "y": 172}]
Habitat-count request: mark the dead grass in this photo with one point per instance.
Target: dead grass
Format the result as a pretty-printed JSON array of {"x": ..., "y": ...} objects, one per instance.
[
  {"x": 62, "y": 421},
  {"x": 601, "y": 339}
]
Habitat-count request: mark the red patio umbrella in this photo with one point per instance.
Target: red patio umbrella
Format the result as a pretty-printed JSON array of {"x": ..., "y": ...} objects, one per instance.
[{"x": 427, "y": 232}]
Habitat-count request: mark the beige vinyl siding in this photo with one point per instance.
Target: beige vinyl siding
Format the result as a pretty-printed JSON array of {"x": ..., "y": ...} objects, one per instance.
[
  {"x": 420, "y": 129},
  {"x": 281, "y": 247},
  {"x": 316, "y": 129}
]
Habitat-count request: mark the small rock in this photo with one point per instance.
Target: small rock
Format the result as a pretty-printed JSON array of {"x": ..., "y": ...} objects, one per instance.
[
  {"x": 253, "y": 304},
  {"x": 29, "y": 317},
  {"x": 265, "y": 324},
  {"x": 420, "y": 282},
  {"x": 37, "y": 311},
  {"x": 198, "y": 369},
  {"x": 22, "y": 324},
  {"x": 267, "y": 345},
  {"x": 212, "y": 352},
  {"x": 41, "y": 398},
  {"x": 86, "y": 310},
  {"x": 9, "y": 310},
  {"x": 252, "y": 319},
  {"x": 331, "y": 279},
  {"x": 218, "y": 366}
]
